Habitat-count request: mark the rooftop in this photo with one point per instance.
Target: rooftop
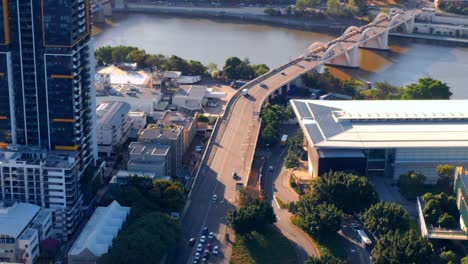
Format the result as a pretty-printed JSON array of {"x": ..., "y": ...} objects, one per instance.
[
  {"x": 193, "y": 91},
  {"x": 37, "y": 156},
  {"x": 148, "y": 149},
  {"x": 153, "y": 132},
  {"x": 111, "y": 112},
  {"x": 384, "y": 123},
  {"x": 14, "y": 219},
  {"x": 101, "y": 229}
]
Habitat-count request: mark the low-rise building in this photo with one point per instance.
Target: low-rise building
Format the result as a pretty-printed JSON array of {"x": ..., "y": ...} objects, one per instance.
[
  {"x": 96, "y": 237},
  {"x": 121, "y": 178},
  {"x": 22, "y": 226},
  {"x": 150, "y": 157},
  {"x": 191, "y": 97},
  {"x": 384, "y": 138},
  {"x": 188, "y": 123},
  {"x": 166, "y": 135},
  {"x": 113, "y": 126},
  {"x": 49, "y": 179},
  {"x": 138, "y": 119}
]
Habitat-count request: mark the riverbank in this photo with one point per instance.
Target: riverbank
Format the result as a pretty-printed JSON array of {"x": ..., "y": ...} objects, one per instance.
[
  {"x": 256, "y": 15},
  {"x": 329, "y": 25}
]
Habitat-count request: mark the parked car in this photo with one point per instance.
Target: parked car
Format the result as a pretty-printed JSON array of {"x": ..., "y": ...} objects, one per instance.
[
  {"x": 211, "y": 235},
  {"x": 197, "y": 256},
  {"x": 205, "y": 230},
  {"x": 215, "y": 197},
  {"x": 270, "y": 168},
  {"x": 216, "y": 250},
  {"x": 202, "y": 239}
]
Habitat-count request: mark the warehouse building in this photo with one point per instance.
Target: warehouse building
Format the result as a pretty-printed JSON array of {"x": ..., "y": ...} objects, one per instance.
[{"x": 384, "y": 138}]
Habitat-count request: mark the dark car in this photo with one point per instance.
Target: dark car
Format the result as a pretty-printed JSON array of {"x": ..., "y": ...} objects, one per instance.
[
  {"x": 191, "y": 241},
  {"x": 205, "y": 230}
]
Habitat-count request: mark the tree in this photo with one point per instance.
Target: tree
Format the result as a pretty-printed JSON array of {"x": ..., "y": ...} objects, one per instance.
[
  {"x": 448, "y": 257},
  {"x": 249, "y": 195},
  {"x": 303, "y": 4},
  {"x": 211, "y": 67},
  {"x": 410, "y": 183},
  {"x": 426, "y": 88},
  {"x": 446, "y": 173},
  {"x": 260, "y": 69},
  {"x": 148, "y": 238},
  {"x": 291, "y": 161},
  {"x": 196, "y": 68},
  {"x": 334, "y": 7},
  {"x": 384, "y": 217},
  {"x": 352, "y": 7},
  {"x": 138, "y": 56},
  {"x": 230, "y": 68},
  {"x": 324, "y": 220},
  {"x": 120, "y": 53},
  {"x": 253, "y": 217},
  {"x": 104, "y": 55},
  {"x": 325, "y": 259},
  {"x": 168, "y": 195},
  {"x": 381, "y": 91},
  {"x": 269, "y": 135},
  {"x": 464, "y": 260},
  {"x": 157, "y": 61},
  {"x": 175, "y": 63},
  {"x": 350, "y": 193},
  {"x": 440, "y": 210},
  {"x": 394, "y": 247}
]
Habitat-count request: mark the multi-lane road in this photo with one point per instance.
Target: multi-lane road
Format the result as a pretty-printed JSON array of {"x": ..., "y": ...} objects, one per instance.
[{"x": 231, "y": 150}]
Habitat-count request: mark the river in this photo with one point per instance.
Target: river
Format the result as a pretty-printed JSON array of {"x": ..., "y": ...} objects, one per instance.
[{"x": 214, "y": 41}]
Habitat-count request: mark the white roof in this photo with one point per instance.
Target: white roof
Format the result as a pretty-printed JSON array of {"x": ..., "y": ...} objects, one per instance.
[
  {"x": 119, "y": 76},
  {"x": 14, "y": 219},
  {"x": 101, "y": 229},
  {"x": 384, "y": 123}
]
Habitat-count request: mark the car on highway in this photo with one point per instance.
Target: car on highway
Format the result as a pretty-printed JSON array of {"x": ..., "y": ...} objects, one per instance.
[
  {"x": 215, "y": 197},
  {"x": 216, "y": 250},
  {"x": 271, "y": 168},
  {"x": 191, "y": 241},
  {"x": 199, "y": 247},
  {"x": 205, "y": 230},
  {"x": 263, "y": 85},
  {"x": 202, "y": 239},
  {"x": 208, "y": 247},
  {"x": 211, "y": 235},
  {"x": 235, "y": 176},
  {"x": 197, "y": 256},
  {"x": 207, "y": 253}
]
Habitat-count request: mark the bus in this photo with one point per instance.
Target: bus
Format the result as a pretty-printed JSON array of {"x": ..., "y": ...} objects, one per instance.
[
  {"x": 365, "y": 240},
  {"x": 284, "y": 140}
]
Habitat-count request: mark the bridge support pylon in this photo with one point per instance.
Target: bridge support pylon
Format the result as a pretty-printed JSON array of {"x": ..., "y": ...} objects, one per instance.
[
  {"x": 338, "y": 55},
  {"x": 379, "y": 41}
]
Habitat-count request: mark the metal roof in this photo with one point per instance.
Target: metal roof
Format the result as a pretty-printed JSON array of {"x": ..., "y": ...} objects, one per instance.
[
  {"x": 14, "y": 219},
  {"x": 384, "y": 123}
]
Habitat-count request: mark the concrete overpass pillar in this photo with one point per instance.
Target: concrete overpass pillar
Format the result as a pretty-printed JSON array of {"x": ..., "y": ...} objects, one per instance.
[
  {"x": 288, "y": 87},
  {"x": 119, "y": 4},
  {"x": 99, "y": 17},
  {"x": 107, "y": 9}
]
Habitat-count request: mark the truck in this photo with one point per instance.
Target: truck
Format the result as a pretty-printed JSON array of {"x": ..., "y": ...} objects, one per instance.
[
  {"x": 284, "y": 140},
  {"x": 245, "y": 92}
]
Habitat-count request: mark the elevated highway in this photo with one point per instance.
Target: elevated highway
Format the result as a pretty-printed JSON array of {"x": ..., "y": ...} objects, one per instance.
[{"x": 234, "y": 138}]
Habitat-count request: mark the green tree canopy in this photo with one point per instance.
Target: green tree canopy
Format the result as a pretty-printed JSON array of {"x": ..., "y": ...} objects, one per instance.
[
  {"x": 120, "y": 53},
  {"x": 146, "y": 240},
  {"x": 448, "y": 257},
  {"x": 384, "y": 217},
  {"x": 103, "y": 55},
  {"x": 350, "y": 193},
  {"x": 196, "y": 68},
  {"x": 334, "y": 7},
  {"x": 260, "y": 69},
  {"x": 248, "y": 195},
  {"x": 440, "y": 210},
  {"x": 326, "y": 259},
  {"x": 410, "y": 183},
  {"x": 396, "y": 248},
  {"x": 322, "y": 219},
  {"x": 446, "y": 173},
  {"x": 253, "y": 217},
  {"x": 169, "y": 195},
  {"x": 426, "y": 88},
  {"x": 381, "y": 91},
  {"x": 291, "y": 161},
  {"x": 138, "y": 56}
]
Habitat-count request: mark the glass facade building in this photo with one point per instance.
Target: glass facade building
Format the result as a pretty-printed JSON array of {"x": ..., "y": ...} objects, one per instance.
[
  {"x": 47, "y": 104},
  {"x": 46, "y": 70}
]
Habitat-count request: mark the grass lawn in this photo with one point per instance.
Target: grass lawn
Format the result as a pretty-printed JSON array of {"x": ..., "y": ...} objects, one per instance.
[
  {"x": 269, "y": 248},
  {"x": 331, "y": 245}
]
